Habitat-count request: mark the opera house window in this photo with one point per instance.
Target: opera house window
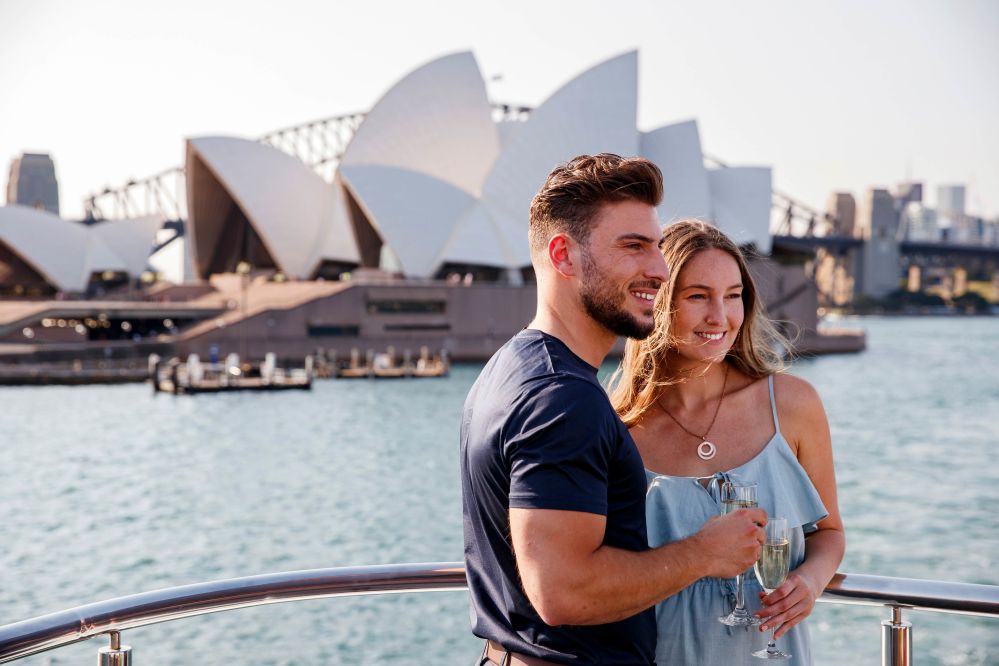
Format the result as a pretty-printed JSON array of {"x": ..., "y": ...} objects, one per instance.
[
  {"x": 406, "y": 307},
  {"x": 333, "y": 331}
]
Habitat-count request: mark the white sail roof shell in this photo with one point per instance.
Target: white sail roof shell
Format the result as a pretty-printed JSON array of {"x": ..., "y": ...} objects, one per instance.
[
  {"x": 596, "y": 112},
  {"x": 436, "y": 120},
  {"x": 57, "y": 249},
  {"x": 478, "y": 239},
  {"x": 419, "y": 160},
  {"x": 676, "y": 150},
  {"x": 414, "y": 212},
  {"x": 130, "y": 240},
  {"x": 506, "y": 128},
  {"x": 337, "y": 241},
  {"x": 65, "y": 253},
  {"x": 292, "y": 209},
  {"x": 741, "y": 203}
]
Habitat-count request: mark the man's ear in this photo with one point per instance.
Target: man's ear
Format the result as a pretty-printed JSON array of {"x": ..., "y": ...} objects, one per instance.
[{"x": 562, "y": 255}]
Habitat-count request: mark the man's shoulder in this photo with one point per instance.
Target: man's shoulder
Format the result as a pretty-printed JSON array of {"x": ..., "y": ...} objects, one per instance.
[
  {"x": 532, "y": 379},
  {"x": 533, "y": 363},
  {"x": 535, "y": 355}
]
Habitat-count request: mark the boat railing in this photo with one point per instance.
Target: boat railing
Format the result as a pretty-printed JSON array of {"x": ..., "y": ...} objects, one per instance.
[{"x": 111, "y": 617}]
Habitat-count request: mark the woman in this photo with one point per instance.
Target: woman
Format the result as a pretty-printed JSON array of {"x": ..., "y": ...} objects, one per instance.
[{"x": 705, "y": 402}]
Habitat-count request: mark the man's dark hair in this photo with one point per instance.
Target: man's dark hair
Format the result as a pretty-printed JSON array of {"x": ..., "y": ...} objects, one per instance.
[{"x": 573, "y": 193}]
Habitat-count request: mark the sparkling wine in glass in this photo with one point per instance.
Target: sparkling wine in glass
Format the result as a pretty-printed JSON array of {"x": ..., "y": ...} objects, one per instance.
[
  {"x": 738, "y": 496},
  {"x": 771, "y": 570}
]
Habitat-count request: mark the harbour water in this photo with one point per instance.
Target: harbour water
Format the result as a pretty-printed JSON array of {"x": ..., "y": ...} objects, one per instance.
[{"x": 111, "y": 490}]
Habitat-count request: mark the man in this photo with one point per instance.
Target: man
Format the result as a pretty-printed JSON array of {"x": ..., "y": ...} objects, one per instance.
[{"x": 553, "y": 488}]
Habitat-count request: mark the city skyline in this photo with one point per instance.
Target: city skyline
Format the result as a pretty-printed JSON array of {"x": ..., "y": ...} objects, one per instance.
[{"x": 836, "y": 98}]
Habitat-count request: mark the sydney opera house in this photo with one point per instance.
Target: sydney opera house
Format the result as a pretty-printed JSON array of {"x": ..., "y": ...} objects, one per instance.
[{"x": 418, "y": 239}]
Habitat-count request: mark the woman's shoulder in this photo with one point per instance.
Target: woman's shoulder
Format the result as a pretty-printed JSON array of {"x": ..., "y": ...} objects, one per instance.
[
  {"x": 792, "y": 394},
  {"x": 795, "y": 393},
  {"x": 800, "y": 410}
]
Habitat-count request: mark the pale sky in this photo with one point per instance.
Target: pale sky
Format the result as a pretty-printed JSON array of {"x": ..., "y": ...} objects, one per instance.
[{"x": 840, "y": 95}]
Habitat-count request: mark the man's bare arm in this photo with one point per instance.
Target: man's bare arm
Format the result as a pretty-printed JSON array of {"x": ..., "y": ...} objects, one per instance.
[{"x": 570, "y": 577}]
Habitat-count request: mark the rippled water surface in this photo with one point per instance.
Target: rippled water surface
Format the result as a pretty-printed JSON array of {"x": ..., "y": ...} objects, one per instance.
[{"x": 109, "y": 491}]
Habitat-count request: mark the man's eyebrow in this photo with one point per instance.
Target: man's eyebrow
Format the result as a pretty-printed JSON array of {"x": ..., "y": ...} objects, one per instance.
[{"x": 637, "y": 237}]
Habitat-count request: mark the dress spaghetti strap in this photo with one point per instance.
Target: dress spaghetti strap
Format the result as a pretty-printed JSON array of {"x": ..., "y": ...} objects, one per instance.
[{"x": 773, "y": 403}]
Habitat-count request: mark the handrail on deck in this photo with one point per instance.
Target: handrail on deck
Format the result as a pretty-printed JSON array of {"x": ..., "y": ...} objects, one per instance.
[{"x": 46, "y": 632}]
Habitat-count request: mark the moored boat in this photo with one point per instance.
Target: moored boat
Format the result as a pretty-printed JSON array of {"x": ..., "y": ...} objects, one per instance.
[
  {"x": 387, "y": 366},
  {"x": 194, "y": 377}
]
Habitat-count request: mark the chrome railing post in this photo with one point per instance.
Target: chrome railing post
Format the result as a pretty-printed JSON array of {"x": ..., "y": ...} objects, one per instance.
[
  {"x": 896, "y": 640},
  {"x": 115, "y": 654}
]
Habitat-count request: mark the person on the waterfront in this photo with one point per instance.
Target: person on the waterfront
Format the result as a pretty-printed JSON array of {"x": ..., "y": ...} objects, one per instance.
[
  {"x": 553, "y": 488},
  {"x": 706, "y": 401}
]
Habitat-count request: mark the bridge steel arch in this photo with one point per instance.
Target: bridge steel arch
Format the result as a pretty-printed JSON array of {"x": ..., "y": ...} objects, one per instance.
[{"x": 317, "y": 143}]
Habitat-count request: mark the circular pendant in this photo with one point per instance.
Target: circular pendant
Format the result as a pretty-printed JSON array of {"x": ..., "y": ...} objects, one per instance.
[{"x": 706, "y": 450}]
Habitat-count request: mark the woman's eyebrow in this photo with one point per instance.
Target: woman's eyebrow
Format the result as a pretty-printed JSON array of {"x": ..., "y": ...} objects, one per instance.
[{"x": 708, "y": 287}]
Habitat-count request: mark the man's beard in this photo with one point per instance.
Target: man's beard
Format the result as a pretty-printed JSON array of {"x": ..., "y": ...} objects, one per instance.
[{"x": 603, "y": 303}]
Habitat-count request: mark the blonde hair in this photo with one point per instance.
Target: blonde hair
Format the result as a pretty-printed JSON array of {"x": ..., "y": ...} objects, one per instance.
[{"x": 645, "y": 372}]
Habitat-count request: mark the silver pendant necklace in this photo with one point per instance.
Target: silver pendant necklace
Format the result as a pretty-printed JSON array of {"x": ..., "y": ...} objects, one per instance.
[{"x": 706, "y": 449}]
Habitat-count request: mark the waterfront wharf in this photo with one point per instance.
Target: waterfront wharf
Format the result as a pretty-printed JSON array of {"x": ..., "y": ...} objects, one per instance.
[
  {"x": 193, "y": 377},
  {"x": 384, "y": 365},
  {"x": 76, "y": 373}
]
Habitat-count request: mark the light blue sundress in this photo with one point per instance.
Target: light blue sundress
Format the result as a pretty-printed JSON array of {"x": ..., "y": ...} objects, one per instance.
[{"x": 678, "y": 506}]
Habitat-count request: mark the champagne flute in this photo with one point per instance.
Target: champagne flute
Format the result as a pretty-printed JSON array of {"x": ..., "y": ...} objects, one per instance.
[
  {"x": 738, "y": 496},
  {"x": 771, "y": 570}
]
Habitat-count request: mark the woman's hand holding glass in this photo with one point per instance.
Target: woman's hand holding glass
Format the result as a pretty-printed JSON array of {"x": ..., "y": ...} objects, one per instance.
[
  {"x": 789, "y": 604},
  {"x": 771, "y": 571}
]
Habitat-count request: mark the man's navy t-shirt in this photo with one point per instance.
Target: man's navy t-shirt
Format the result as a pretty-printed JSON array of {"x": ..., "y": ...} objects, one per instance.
[{"x": 538, "y": 432}]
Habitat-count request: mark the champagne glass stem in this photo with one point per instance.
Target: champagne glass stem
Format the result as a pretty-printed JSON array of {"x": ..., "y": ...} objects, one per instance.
[
  {"x": 772, "y": 645},
  {"x": 740, "y": 596}
]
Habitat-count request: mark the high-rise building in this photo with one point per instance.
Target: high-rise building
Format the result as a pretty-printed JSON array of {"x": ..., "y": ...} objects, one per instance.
[
  {"x": 842, "y": 207},
  {"x": 950, "y": 213},
  {"x": 920, "y": 223},
  {"x": 907, "y": 193},
  {"x": 877, "y": 223},
  {"x": 967, "y": 230},
  {"x": 950, "y": 199},
  {"x": 990, "y": 233},
  {"x": 32, "y": 182}
]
